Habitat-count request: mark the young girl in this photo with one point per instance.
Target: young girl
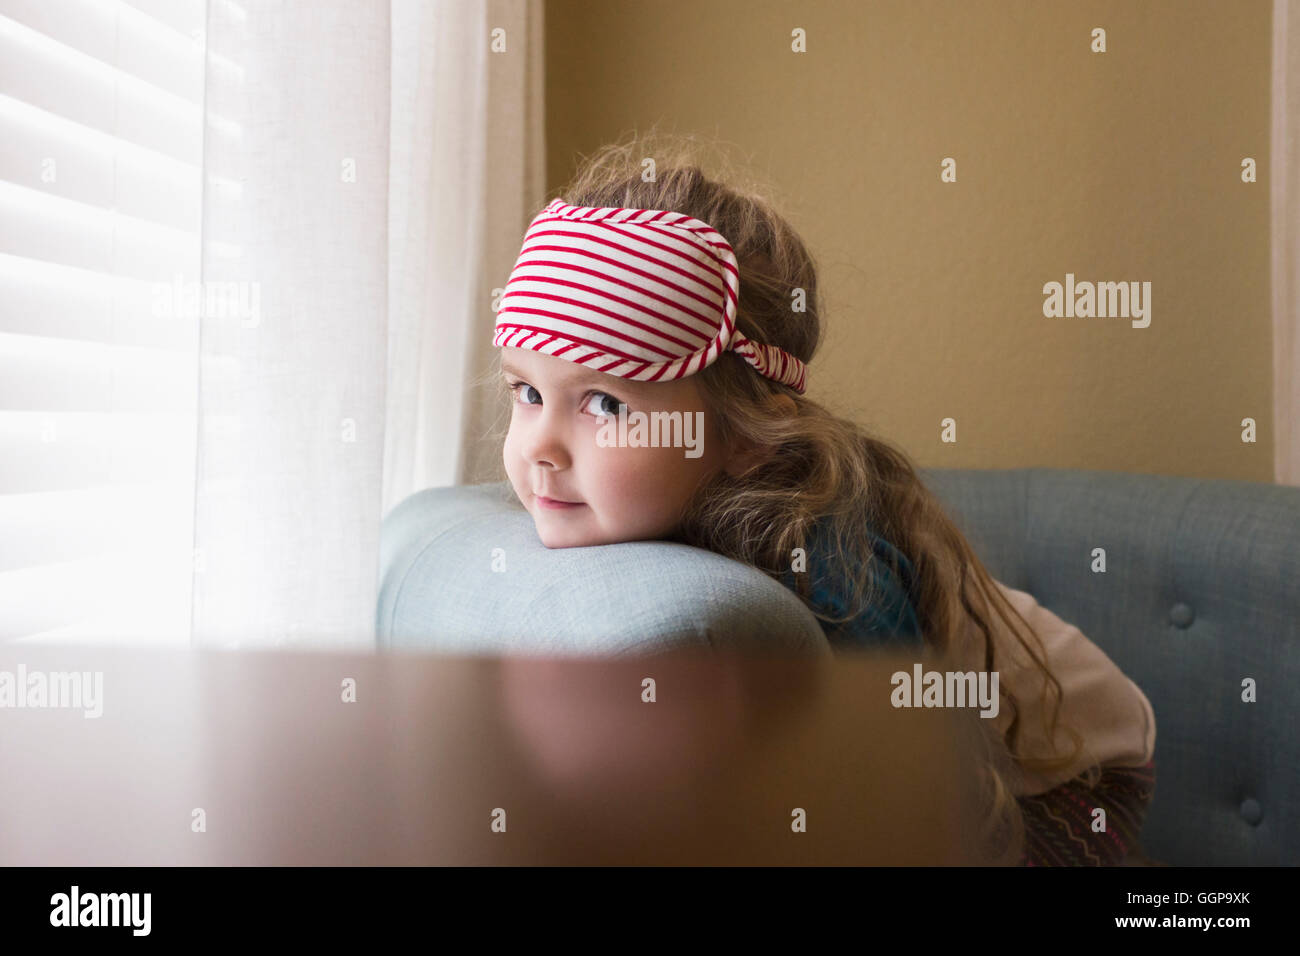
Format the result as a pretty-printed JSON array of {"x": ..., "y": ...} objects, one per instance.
[{"x": 685, "y": 297}]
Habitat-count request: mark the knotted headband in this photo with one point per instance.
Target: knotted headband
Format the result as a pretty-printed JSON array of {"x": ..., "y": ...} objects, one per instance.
[{"x": 643, "y": 294}]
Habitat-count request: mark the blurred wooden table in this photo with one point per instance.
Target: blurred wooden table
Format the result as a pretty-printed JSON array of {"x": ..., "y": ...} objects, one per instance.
[{"x": 479, "y": 761}]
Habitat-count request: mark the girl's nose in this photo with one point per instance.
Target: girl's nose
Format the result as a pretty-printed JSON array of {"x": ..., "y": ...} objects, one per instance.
[{"x": 547, "y": 443}]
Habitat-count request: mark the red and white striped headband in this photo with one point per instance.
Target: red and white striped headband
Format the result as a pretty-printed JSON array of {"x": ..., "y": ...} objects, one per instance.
[{"x": 643, "y": 294}]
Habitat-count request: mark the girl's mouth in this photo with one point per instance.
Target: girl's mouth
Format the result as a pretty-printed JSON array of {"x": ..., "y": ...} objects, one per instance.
[{"x": 552, "y": 503}]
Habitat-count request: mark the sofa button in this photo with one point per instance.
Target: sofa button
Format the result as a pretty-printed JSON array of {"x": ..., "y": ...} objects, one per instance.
[
  {"x": 1181, "y": 616},
  {"x": 1251, "y": 811}
]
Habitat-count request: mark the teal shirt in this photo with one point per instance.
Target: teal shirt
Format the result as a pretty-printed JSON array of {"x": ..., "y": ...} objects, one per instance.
[{"x": 890, "y": 620}]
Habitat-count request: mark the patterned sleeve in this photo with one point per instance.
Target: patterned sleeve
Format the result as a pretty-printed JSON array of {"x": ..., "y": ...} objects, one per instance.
[{"x": 1061, "y": 825}]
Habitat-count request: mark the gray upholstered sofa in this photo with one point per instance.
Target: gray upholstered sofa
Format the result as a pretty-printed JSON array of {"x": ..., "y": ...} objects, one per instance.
[{"x": 1201, "y": 591}]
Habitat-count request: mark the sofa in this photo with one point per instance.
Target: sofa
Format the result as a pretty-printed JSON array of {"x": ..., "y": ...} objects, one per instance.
[{"x": 1199, "y": 596}]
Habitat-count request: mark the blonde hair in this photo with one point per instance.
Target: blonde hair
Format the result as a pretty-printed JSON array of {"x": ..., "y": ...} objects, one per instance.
[{"x": 823, "y": 466}]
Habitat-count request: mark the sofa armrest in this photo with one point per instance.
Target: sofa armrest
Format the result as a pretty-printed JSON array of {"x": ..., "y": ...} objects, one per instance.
[{"x": 464, "y": 572}]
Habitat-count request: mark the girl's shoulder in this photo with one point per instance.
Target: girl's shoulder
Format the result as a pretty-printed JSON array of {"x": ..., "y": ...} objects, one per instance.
[{"x": 889, "y": 618}]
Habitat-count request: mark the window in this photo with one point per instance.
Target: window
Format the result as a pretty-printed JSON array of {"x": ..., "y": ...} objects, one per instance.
[{"x": 101, "y": 188}]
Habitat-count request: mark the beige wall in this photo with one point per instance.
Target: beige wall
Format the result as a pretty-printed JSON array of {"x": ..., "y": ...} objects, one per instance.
[{"x": 1116, "y": 166}]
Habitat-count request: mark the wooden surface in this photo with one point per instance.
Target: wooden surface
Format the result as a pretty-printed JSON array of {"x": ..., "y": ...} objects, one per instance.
[{"x": 433, "y": 749}]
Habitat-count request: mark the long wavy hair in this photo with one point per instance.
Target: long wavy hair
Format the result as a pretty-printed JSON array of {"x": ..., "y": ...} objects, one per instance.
[{"x": 821, "y": 467}]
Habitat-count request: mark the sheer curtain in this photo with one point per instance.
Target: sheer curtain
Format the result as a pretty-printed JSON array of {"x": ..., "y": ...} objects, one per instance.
[
  {"x": 369, "y": 167},
  {"x": 467, "y": 176}
]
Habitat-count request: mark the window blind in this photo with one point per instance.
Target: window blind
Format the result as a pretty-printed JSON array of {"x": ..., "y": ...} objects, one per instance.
[{"x": 101, "y": 186}]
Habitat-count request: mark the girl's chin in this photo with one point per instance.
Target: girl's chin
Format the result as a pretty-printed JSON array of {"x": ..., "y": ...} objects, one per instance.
[{"x": 555, "y": 535}]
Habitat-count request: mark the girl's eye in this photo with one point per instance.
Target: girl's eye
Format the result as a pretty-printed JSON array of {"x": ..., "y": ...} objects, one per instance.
[
  {"x": 605, "y": 405},
  {"x": 516, "y": 387}
]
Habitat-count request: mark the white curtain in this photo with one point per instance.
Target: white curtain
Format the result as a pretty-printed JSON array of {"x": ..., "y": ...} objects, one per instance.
[
  {"x": 1285, "y": 179},
  {"x": 369, "y": 167},
  {"x": 466, "y": 177}
]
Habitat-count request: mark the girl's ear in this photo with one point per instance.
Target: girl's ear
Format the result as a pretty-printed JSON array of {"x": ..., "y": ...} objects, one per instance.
[
  {"x": 746, "y": 456},
  {"x": 788, "y": 407},
  {"x": 742, "y": 460}
]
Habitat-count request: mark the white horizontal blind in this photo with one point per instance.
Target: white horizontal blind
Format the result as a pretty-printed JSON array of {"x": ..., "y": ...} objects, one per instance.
[{"x": 101, "y": 145}]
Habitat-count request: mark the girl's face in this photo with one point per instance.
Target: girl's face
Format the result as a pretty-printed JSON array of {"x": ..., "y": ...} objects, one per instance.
[{"x": 619, "y": 493}]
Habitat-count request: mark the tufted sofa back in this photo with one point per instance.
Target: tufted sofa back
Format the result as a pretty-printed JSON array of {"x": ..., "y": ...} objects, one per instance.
[{"x": 1200, "y": 593}]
